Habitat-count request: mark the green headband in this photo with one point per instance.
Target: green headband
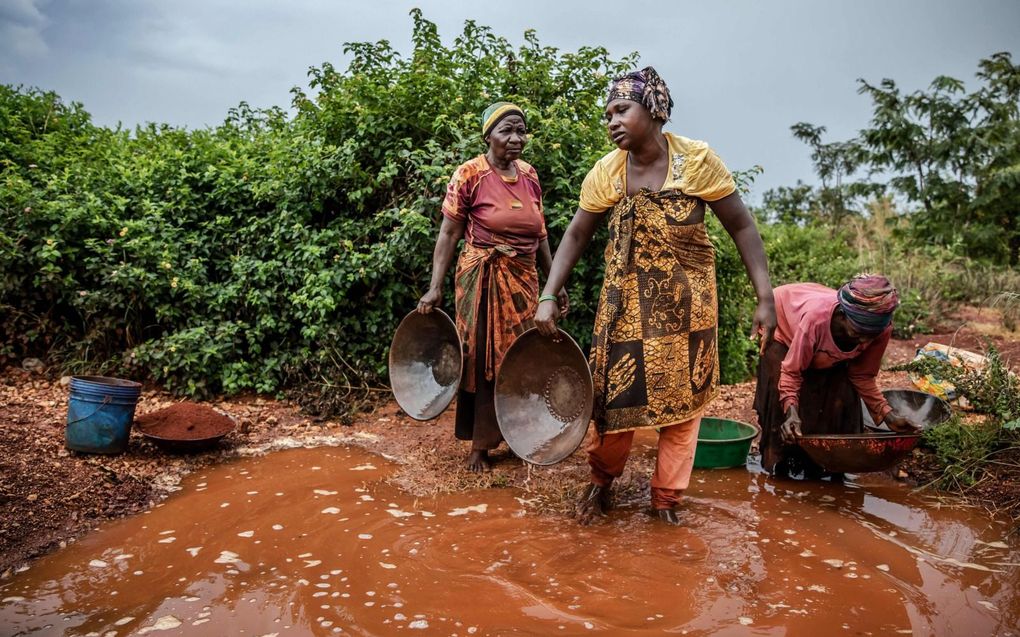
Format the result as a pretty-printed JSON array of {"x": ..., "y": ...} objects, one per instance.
[{"x": 496, "y": 112}]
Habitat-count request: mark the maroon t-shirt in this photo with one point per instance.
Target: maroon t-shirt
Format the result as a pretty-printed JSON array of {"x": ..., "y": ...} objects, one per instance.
[{"x": 497, "y": 210}]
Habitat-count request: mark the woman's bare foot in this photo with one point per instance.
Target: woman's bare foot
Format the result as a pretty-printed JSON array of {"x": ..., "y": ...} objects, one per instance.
[
  {"x": 594, "y": 503},
  {"x": 478, "y": 461}
]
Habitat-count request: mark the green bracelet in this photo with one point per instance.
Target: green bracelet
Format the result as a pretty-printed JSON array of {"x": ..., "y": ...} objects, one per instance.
[{"x": 549, "y": 297}]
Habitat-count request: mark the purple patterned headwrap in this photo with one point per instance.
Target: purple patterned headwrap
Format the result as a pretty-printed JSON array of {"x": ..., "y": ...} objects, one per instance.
[
  {"x": 868, "y": 301},
  {"x": 646, "y": 88}
]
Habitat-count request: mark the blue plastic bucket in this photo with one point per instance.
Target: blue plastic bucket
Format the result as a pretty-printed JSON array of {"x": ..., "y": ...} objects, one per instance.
[{"x": 99, "y": 413}]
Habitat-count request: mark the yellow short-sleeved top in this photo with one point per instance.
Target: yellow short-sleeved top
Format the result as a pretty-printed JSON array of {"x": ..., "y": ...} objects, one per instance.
[{"x": 694, "y": 170}]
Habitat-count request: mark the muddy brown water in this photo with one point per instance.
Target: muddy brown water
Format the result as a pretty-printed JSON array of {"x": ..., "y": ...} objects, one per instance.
[{"x": 315, "y": 542}]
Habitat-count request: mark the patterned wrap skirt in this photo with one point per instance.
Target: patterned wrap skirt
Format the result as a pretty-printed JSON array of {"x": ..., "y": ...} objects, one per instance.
[
  {"x": 510, "y": 281},
  {"x": 653, "y": 355}
]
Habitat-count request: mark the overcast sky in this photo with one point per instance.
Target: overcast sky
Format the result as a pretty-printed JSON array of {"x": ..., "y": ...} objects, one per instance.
[{"x": 741, "y": 72}]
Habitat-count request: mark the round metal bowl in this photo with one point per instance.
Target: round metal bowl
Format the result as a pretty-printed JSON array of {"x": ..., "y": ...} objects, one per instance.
[
  {"x": 920, "y": 407},
  {"x": 544, "y": 397},
  {"x": 189, "y": 445},
  {"x": 425, "y": 363},
  {"x": 858, "y": 453},
  {"x": 723, "y": 443}
]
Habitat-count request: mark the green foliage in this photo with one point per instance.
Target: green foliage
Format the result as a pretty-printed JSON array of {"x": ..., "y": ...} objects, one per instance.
[
  {"x": 962, "y": 450},
  {"x": 965, "y": 449},
  {"x": 955, "y": 155}
]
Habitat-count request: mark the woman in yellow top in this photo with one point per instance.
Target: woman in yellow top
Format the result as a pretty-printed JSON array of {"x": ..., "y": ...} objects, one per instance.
[{"x": 654, "y": 356}]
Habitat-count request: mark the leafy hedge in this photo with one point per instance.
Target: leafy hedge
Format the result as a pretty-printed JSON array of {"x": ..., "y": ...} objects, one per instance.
[{"x": 279, "y": 249}]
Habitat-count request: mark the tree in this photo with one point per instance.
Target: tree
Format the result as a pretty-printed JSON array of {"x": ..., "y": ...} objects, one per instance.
[{"x": 956, "y": 155}]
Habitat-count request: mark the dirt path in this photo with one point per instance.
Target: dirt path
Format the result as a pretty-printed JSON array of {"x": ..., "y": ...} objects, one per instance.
[{"x": 50, "y": 496}]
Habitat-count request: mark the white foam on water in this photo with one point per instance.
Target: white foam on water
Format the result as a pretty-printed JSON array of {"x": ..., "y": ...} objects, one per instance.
[
  {"x": 389, "y": 566},
  {"x": 123, "y": 556},
  {"x": 330, "y": 510},
  {"x": 399, "y": 514},
  {"x": 363, "y": 467},
  {"x": 168, "y": 540},
  {"x": 246, "y": 534},
  {"x": 323, "y": 492},
  {"x": 277, "y": 527},
  {"x": 123, "y": 620},
  {"x": 365, "y": 536},
  {"x": 477, "y": 508},
  {"x": 227, "y": 557},
  {"x": 166, "y": 622},
  {"x": 98, "y": 564},
  {"x": 311, "y": 563}
]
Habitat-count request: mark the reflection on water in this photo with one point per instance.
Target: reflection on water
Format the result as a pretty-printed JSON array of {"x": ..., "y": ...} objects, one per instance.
[{"x": 315, "y": 542}]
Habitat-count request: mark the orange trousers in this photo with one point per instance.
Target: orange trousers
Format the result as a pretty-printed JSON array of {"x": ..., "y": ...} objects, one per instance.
[{"x": 607, "y": 456}]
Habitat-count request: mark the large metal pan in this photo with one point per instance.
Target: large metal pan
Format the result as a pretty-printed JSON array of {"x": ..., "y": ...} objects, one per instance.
[
  {"x": 544, "y": 397},
  {"x": 857, "y": 453},
  {"x": 425, "y": 363},
  {"x": 919, "y": 407}
]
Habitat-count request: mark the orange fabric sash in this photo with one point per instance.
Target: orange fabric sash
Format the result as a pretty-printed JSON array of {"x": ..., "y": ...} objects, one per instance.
[{"x": 511, "y": 298}]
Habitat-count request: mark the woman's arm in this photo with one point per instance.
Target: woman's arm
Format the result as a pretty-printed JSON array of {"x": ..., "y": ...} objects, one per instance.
[
  {"x": 450, "y": 232},
  {"x": 575, "y": 240},
  {"x": 738, "y": 223},
  {"x": 544, "y": 258}
]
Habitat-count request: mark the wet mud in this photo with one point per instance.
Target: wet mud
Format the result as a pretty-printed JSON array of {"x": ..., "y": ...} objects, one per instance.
[{"x": 317, "y": 542}]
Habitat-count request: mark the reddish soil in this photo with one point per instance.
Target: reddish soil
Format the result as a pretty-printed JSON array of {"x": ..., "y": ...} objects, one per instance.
[
  {"x": 49, "y": 496},
  {"x": 185, "y": 421}
]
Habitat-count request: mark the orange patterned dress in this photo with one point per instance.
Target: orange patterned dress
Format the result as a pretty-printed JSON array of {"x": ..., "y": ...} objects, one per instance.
[{"x": 654, "y": 355}]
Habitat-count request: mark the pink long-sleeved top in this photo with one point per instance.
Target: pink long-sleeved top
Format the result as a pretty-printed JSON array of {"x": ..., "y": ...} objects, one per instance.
[{"x": 803, "y": 311}]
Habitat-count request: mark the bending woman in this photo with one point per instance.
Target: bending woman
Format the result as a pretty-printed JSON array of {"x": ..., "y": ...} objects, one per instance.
[
  {"x": 654, "y": 356},
  {"x": 494, "y": 201},
  {"x": 823, "y": 361}
]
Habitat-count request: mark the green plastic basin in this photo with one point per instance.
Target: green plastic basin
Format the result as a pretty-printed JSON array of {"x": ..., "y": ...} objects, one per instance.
[{"x": 723, "y": 443}]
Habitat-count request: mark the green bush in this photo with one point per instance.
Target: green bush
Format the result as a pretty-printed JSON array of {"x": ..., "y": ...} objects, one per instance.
[{"x": 962, "y": 450}]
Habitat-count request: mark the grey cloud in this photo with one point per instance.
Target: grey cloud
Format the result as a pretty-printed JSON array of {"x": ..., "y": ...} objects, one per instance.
[{"x": 21, "y": 26}]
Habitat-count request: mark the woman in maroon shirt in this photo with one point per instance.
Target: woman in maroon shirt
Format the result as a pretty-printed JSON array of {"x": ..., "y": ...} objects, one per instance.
[
  {"x": 822, "y": 362},
  {"x": 494, "y": 202}
]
